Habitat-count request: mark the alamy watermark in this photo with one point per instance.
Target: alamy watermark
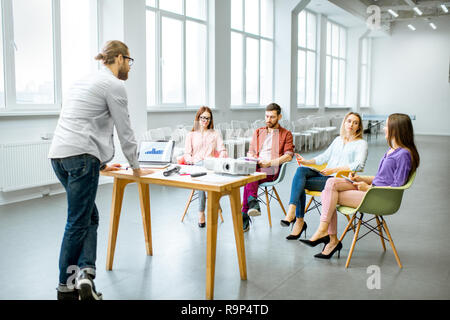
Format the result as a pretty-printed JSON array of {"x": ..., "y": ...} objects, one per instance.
[
  {"x": 73, "y": 270},
  {"x": 374, "y": 280},
  {"x": 373, "y": 22}
]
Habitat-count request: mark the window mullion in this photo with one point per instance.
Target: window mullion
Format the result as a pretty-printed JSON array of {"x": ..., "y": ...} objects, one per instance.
[
  {"x": 158, "y": 58},
  {"x": 9, "y": 57},
  {"x": 184, "y": 63},
  {"x": 57, "y": 72},
  {"x": 244, "y": 69},
  {"x": 259, "y": 53}
]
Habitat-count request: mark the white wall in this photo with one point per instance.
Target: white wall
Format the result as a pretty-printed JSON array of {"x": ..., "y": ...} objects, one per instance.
[{"x": 410, "y": 74}]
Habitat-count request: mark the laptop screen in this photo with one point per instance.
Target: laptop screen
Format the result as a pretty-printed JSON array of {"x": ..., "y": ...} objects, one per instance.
[{"x": 156, "y": 151}]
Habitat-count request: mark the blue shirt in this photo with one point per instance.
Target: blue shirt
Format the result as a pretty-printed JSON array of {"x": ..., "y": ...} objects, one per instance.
[{"x": 394, "y": 169}]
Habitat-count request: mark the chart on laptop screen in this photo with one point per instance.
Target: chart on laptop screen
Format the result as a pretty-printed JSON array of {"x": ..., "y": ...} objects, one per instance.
[{"x": 155, "y": 151}]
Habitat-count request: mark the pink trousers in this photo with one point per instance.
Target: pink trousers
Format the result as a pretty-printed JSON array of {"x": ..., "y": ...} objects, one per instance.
[{"x": 338, "y": 191}]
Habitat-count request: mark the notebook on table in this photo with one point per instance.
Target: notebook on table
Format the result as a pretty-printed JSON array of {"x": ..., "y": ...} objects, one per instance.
[{"x": 155, "y": 154}]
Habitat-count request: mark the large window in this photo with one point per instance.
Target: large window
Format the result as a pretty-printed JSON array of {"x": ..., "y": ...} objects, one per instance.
[
  {"x": 365, "y": 72},
  {"x": 2, "y": 82},
  {"x": 307, "y": 57},
  {"x": 177, "y": 53},
  {"x": 47, "y": 45},
  {"x": 335, "y": 65},
  {"x": 251, "y": 52}
]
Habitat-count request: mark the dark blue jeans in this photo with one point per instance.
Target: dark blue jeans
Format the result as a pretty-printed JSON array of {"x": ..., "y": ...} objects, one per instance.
[
  {"x": 305, "y": 178},
  {"x": 79, "y": 175}
]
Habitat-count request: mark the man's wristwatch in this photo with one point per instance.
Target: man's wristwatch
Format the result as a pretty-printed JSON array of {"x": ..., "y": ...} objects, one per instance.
[{"x": 102, "y": 167}]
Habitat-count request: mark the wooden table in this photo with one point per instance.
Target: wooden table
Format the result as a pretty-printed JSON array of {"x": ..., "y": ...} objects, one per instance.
[{"x": 214, "y": 189}]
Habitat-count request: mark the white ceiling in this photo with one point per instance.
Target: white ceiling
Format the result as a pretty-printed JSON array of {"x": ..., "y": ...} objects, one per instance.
[{"x": 335, "y": 13}]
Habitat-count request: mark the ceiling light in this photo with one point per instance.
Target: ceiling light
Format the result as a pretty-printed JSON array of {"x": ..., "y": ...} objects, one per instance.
[
  {"x": 411, "y": 27},
  {"x": 393, "y": 13},
  {"x": 433, "y": 25},
  {"x": 444, "y": 8},
  {"x": 417, "y": 10}
]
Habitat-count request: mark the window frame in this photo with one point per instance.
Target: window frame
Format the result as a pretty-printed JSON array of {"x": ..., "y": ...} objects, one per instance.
[
  {"x": 159, "y": 14},
  {"x": 339, "y": 59},
  {"x": 11, "y": 107},
  {"x": 258, "y": 37},
  {"x": 366, "y": 102},
  {"x": 316, "y": 55}
]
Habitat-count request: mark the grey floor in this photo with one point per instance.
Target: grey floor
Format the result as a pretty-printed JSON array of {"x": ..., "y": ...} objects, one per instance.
[{"x": 31, "y": 231}]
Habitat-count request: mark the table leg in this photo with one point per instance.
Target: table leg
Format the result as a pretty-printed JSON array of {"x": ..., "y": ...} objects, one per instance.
[
  {"x": 235, "y": 199},
  {"x": 144, "y": 198},
  {"x": 211, "y": 241},
  {"x": 116, "y": 206}
]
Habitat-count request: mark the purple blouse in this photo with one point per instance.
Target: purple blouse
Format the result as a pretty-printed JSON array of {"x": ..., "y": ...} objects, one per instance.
[{"x": 393, "y": 169}]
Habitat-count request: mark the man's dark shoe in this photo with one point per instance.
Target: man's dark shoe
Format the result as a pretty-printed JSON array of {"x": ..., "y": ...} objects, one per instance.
[
  {"x": 86, "y": 287},
  {"x": 246, "y": 222},
  {"x": 253, "y": 207}
]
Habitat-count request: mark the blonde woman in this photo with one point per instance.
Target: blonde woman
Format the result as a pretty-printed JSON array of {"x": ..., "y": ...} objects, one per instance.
[{"x": 347, "y": 152}]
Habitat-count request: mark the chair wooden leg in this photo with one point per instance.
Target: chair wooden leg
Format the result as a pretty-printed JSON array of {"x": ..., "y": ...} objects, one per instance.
[
  {"x": 279, "y": 200},
  {"x": 220, "y": 213},
  {"x": 391, "y": 242},
  {"x": 381, "y": 232},
  {"x": 355, "y": 238},
  {"x": 268, "y": 206},
  {"x": 309, "y": 203},
  {"x": 349, "y": 225},
  {"x": 187, "y": 205}
]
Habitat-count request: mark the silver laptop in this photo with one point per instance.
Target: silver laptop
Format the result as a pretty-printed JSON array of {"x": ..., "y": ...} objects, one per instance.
[{"x": 155, "y": 154}]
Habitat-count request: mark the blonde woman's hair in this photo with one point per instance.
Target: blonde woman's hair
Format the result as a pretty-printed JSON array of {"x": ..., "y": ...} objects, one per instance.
[
  {"x": 359, "y": 132},
  {"x": 111, "y": 50}
]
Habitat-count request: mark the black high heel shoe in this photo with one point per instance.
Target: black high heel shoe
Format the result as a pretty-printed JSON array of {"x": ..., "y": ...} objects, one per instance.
[
  {"x": 285, "y": 223},
  {"x": 314, "y": 243},
  {"x": 328, "y": 256},
  {"x": 295, "y": 237}
]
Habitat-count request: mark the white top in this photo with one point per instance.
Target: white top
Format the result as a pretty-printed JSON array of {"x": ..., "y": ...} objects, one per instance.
[
  {"x": 266, "y": 149},
  {"x": 94, "y": 105},
  {"x": 352, "y": 154}
]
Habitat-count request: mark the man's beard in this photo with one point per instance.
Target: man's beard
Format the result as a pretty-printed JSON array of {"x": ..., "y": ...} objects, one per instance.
[
  {"x": 271, "y": 125},
  {"x": 123, "y": 74}
]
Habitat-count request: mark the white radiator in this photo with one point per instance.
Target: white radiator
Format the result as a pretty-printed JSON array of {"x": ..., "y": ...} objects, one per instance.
[{"x": 25, "y": 165}]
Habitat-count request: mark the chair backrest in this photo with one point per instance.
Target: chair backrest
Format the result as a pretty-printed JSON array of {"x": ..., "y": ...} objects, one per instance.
[
  {"x": 281, "y": 174},
  {"x": 384, "y": 200}
]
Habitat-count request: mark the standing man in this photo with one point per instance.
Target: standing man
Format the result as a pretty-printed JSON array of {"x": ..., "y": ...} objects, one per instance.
[
  {"x": 272, "y": 146},
  {"x": 81, "y": 147}
]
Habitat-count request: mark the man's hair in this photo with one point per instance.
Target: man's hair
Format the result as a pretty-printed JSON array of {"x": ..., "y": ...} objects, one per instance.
[
  {"x": 274, "y": 107},
  {"x": 111, "y": 50}
]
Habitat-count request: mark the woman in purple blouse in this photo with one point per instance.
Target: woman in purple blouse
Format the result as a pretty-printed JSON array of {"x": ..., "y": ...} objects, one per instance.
[{"x": 395, "y": 167}]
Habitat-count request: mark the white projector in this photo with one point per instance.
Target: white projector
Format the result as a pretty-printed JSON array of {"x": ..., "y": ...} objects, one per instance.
[{"x": 230, "y": 166}]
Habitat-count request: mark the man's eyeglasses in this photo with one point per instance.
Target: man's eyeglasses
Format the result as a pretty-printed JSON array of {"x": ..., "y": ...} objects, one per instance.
[
  {"x": 205, "y": 118},
  {"x": 130, "y": 60}
]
